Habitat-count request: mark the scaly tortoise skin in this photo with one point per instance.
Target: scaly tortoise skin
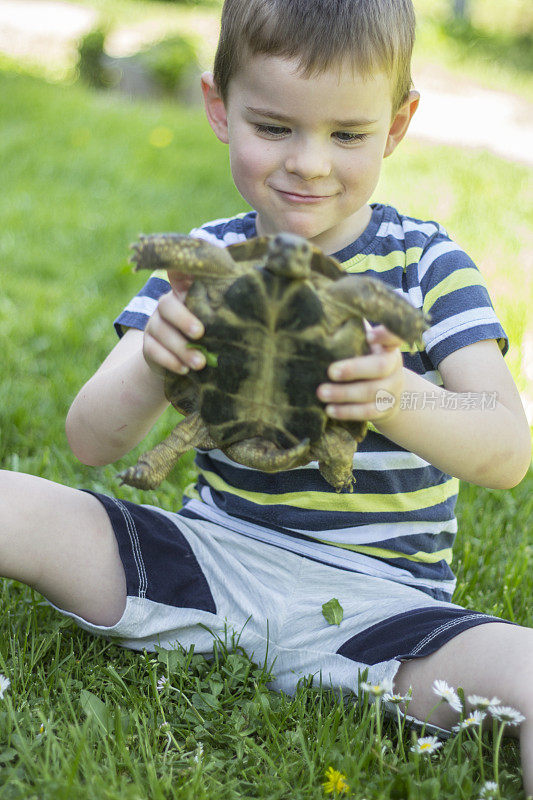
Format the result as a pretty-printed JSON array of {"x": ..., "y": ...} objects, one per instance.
[{"x": 277, "y": 312}]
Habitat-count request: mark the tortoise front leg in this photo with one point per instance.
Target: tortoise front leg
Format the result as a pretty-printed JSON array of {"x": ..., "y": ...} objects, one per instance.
[
  {"x": 184, "y": 254},
  {"x": 153, "y": 466},
  {"x": 375, "y": 301}
]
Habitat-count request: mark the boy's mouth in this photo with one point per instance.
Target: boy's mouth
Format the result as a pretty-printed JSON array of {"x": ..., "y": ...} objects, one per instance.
[{"x": 298, "y": 197}]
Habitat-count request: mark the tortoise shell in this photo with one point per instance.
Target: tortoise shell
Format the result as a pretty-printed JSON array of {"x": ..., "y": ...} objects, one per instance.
[{"x": 277, "y": 312}]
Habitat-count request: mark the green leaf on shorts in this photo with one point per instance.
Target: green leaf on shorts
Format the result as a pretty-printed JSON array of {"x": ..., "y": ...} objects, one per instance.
[{"x": 333, "y": 611}]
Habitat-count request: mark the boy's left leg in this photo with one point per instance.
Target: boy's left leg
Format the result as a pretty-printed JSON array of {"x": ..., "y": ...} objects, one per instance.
[{"x": 490, "y": 660}]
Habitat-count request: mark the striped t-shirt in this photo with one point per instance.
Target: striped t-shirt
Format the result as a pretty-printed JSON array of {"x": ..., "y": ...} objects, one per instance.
[{"x": 399, "y": 523}]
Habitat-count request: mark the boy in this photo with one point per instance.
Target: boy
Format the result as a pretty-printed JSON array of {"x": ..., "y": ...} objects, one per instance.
[{"x": 310, "y": 96}]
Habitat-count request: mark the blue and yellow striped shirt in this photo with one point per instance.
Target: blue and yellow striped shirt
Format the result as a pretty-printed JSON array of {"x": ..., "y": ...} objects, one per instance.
[{"x": 399, "y": 523}]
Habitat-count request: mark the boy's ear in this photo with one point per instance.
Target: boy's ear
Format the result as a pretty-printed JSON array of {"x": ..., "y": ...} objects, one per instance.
[
  {"x": 214, "y": 107},
  {"x": 401, "y": 121}
]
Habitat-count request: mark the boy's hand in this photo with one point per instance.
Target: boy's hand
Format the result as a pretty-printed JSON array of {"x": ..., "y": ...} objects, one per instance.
[
  {"x": 169, "y": 330},
  {"x": 359, "y": 379}
]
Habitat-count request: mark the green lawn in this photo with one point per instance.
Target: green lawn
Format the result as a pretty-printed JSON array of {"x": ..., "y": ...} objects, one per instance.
[{"x": 81, "y": 179}]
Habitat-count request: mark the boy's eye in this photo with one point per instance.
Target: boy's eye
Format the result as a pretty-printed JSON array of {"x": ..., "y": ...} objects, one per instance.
[
  {"x": 273, "y": 131},
  {"x": 348, "y": 138}
]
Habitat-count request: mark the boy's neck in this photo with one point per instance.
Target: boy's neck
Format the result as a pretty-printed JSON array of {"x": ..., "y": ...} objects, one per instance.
[{"x": 331, "y": 241}]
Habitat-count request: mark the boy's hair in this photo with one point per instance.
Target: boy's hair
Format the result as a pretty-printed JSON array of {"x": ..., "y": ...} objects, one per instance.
[{"x": 374, "y": 35}]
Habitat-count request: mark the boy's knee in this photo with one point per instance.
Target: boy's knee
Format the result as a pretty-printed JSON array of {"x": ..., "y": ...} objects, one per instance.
[{"x": 60, "y": 541}]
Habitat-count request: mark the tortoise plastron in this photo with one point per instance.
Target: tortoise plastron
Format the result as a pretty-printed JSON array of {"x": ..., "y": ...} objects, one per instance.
[{"x": 277, "y": 312}]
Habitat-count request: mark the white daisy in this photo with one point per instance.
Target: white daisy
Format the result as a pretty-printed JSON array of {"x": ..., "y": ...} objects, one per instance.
[
  {"x": 475, "y": 718},
  {"x": 396, "y": 699},
  {"x": 378, "y": 689},
  {"x": 482, "y": 703},
  {"x": 506, "y": 714},
  {"x": 5, "y": 683},
  {"x": 426, "y": 745},
  {"x": 489, "y": 789},
  {"x": 448, "y": 694}
]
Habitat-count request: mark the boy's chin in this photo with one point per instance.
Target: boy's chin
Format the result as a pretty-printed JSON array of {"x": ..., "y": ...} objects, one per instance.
[
  {"x": 296, "y": 224},
  {"x": 327, "y": 231},
  {"x": 324, "y": 237}
]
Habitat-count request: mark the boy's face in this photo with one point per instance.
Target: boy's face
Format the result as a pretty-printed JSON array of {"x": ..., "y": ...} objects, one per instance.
[{"x": 306, "y": 153}]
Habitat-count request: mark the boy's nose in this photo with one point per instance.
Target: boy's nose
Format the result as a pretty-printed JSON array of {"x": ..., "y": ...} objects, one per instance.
[{"x": 307, "y": 161}]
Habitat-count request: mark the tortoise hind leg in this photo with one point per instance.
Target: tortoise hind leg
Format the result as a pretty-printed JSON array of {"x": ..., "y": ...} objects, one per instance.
[
  {"x": 335, "y": 451},
  {"x": 153, "y": 466},
  {"x": 261, "y": 454}
]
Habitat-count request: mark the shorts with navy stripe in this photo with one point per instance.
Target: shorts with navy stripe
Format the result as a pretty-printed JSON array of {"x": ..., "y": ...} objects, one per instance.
[{"x": 190, "y": 580}]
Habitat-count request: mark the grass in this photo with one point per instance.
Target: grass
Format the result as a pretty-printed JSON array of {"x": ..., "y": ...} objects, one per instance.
[
  {"x": 86, "y": 720},
  {"x": 83, "y": 718}
]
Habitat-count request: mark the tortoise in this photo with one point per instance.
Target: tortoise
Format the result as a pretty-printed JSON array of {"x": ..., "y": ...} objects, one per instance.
[{"x": 277, "y": 312}]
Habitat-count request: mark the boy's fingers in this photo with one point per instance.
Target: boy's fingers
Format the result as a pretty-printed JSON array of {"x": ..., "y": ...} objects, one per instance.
[
  {"x": 360, "y": 392},
  {"x": 184, "y": 319},
  {"x": 159, "y": 358},
  {"x": 359, "y": 411},
  {"x": 376, "y": 365},
  {"x": 180, "y": 283},
  {"x": 177, "y": 315},
  {"x": 380, "y": 335},
  {"x": 171, "y": 353},
  {"x": 165, "y": 346}
]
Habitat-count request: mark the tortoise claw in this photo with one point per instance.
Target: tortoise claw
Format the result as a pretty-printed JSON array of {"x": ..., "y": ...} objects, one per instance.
[
  {"x": 135, "y": 258},
  {"x": 139, "y": 477}
]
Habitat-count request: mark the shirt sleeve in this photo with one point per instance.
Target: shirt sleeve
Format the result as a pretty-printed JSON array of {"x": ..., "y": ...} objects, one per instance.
[
  {"x": 220, "y": 232},
  {"x": 456, "y": 297},
  {"x": 142, "y": 306}
]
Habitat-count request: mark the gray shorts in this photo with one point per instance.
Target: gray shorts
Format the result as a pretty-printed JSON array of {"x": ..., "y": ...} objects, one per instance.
[{"x": 189, "y": 581}]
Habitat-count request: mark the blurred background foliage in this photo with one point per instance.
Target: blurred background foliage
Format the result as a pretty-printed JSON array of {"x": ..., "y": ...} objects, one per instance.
[
  {"x": 491, "y": 42},
  {"x": 495, "y": 42},
  {"x": 156, "y": 69}
]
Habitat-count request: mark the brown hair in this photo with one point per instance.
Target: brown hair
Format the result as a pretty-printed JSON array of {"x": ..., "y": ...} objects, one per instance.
[{"x": 374, "y": 35}]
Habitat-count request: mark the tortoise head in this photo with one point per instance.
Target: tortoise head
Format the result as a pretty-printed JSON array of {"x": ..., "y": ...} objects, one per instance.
[{"x": 289, "y": 256}]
